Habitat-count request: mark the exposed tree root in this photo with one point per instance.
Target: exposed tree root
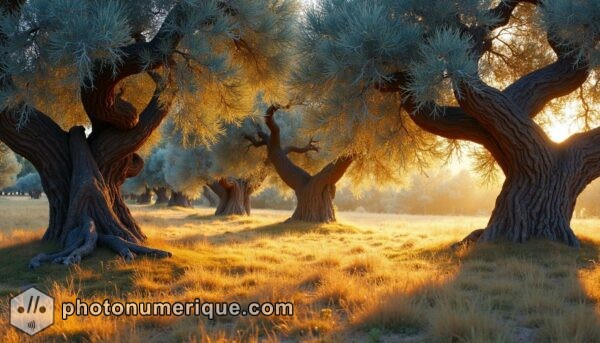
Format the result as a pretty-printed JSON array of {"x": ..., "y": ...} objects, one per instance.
[
  {"x": 82, "y": 242},
  {"x": 129, "y": 250},
  {"x": 79, "y": 243},
  {"x": 90, "y": 218}
]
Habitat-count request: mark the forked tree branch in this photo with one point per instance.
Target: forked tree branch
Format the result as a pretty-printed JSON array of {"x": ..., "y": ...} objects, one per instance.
[
  {"x": 446, "y": 121},
  {"x": 293, "y": 176},
  {"x": 334, "y": 171},
  {"x": 311, "y": 146},
  {"x": 535, "y": 90},
  {"x": 518, "y": 136}
]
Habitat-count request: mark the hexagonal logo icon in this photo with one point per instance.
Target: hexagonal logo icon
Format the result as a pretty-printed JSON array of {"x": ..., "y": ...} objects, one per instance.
[{"x": 32, "y": 311}]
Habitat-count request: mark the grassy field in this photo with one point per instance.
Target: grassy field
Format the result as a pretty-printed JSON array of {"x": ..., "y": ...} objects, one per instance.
[{"x": 368, "y": 278}]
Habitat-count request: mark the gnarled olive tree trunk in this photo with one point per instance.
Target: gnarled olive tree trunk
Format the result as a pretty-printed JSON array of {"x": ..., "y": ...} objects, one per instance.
[
  {"x": 82, "y": 176},
  {"x": 314, "y": 193},
  {"x": 543, "y": 178},
  {"x": 180, "y": 200},
  {"x": 162, "y": 195},
  {"x": 234, "y": 196},
  {"x": 145, "y": 198}
]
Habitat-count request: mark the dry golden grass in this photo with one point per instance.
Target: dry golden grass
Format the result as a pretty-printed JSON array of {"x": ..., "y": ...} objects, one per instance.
[{"x": 377, "y": 278}]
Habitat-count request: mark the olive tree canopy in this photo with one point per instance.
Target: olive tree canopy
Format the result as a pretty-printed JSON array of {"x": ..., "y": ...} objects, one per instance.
[{"x": 472, "y": 70}]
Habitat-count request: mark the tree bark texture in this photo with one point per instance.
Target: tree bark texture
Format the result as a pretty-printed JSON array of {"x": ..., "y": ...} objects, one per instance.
[
  {"x": 314, "y": 193},
  {"x": 82, "y": 176},
  {"x": 543, "y": 178},
  {"x": 234, "y": 196},
  {"x": 90, "y": 217}
]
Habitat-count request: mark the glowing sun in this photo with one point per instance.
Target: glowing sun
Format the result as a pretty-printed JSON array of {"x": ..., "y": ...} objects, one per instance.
[{"x": 562, "y": 127}]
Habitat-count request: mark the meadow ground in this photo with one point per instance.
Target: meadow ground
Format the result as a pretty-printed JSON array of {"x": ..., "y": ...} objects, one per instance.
[{"x": 370, "y": 277}]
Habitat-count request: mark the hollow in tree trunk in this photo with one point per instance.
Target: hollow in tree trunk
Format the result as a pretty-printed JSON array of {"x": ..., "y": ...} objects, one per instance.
[
  {"x": 180, "y": 200},
  {"x": 81, "y": 176}
]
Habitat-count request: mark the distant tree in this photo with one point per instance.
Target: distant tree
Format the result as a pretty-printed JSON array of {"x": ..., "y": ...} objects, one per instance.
[
  {"x": 211, "y": 197},
  {"x": 9, "y": 167},
  {"x": 151, "y": 179},
  {"x": 239, "y": 170},
  {"x": 96, "y": 63},
  {"x": 185, "y": 171},
  {"x": 314, "y": 193},
  {"x": 479, "y": 71},
  {"x": 30, "y": 184},
  {"x": 314, "y": 184}
]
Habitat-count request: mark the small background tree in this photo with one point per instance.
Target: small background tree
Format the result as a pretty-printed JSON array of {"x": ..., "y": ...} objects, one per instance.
[
  {"x": 9, "y": 167},
  {"x": 30, "y": 184}
]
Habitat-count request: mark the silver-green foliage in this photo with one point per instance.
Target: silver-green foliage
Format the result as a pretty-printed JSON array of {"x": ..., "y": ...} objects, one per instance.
[
  {"x": 228, "y": 50},
  {"x": 152, "y": 175}
]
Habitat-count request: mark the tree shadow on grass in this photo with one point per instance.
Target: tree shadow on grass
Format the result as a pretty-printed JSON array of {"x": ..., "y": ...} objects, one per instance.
[
  {"x": 250, "y": 234},
  {"x": 502, "y": 292},
  {"x": 103, "y": 272}
]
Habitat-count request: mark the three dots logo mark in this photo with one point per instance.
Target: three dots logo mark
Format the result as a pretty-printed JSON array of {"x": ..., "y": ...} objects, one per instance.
[{"x": 32, "y": 311}]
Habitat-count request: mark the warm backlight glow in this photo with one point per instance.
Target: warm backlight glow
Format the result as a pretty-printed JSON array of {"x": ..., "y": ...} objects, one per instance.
[
  {"x": 562, "y": 127},
  {"x": 559, "y": 131}
]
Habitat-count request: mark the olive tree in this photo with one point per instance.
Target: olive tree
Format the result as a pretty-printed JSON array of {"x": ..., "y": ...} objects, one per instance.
[
  {"x": 119, "y": 68},
  {"x": 30, "y": 184},
  {"x": 487, "y": 72},
  {"x": 239, "y": 169},
  {"x": 344, "y": 150}
]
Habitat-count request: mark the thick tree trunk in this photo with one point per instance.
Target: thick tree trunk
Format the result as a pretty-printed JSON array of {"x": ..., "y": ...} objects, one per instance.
[
  {"x": 314, "y": 193},
  {"x": 35, "y": 194},
  {"x": 162, "y": 195},
  {"x": 543, "y": 179},
  {"x": 114, "y": 175},
  {"x": 234, "y": 196},
  {"x": 90, "y": 218},
  {"x": 145, "y": 198},
  {"x": 536, "y": 205},
  {"x": 46, "y": 146},
  {"x": 82, "y": 177},
  {"x": 315, "y": 203},
  {"x": 179, "y": 199}
]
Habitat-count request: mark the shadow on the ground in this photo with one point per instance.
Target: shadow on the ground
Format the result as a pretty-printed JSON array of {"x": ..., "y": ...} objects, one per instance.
[
  {"x": 500, "y": 292},
  {"x": 103, "y": 272},
  {"x": 250, "y": 234}
]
